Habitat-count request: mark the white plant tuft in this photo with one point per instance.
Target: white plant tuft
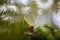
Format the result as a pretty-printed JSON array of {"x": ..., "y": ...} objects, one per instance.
[
  {"x": 25, "y": 10},
  {"x": 4, "y": 8}
]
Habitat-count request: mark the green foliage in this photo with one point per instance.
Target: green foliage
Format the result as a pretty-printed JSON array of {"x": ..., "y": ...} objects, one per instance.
[
  {"x": 42, "y": 35},
  {"x": 57, "y": 35},
  {"x": 53, "y": 34},
  {"x": 14, "y": 31},
  {"x": 4, "y": 2}
]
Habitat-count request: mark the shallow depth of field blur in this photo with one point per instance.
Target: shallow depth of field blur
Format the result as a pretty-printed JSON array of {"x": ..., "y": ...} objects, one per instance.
[{"x": 29, "y": 19}]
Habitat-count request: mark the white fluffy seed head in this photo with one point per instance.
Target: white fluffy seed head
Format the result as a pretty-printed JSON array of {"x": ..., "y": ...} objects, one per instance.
[
  {"x": 40, "y": 11},
  {"x": 4, "y": 8},
  {"x": 12, "y": 8},
  {"x": 25, "y": 10},
  {"x": 6, "y": 17},
  {"x": 56, "y": 16},
  {"x": 45, "y": 5}
]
